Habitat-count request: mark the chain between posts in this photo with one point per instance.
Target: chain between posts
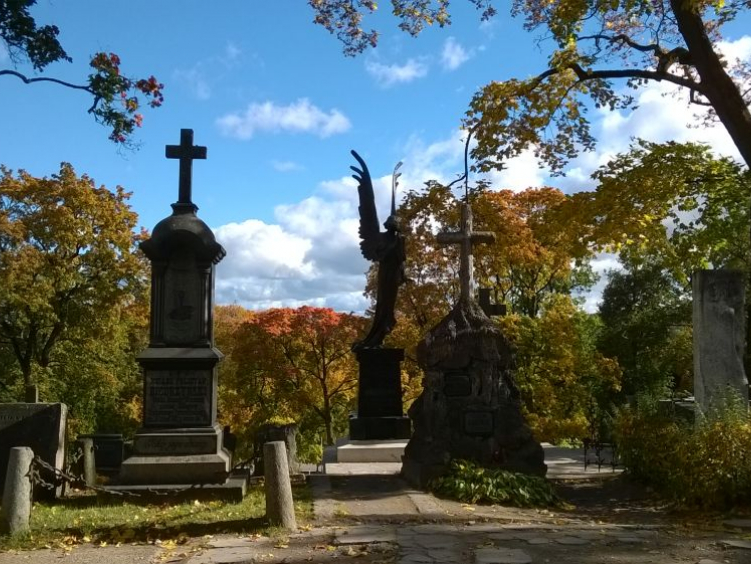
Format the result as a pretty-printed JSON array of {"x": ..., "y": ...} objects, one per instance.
[{"x": 61, "y": 477}]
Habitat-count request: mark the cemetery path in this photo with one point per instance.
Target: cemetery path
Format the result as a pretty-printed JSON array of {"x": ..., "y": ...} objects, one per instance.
[{"x": 379, "y": 519}]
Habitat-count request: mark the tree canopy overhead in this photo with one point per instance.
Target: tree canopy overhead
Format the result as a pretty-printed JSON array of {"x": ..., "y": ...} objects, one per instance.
[
  {"x": 596, "y": 43},
  {"x": 116, "y": 99}
]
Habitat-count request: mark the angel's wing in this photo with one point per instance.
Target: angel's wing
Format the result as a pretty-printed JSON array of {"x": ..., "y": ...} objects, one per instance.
[{"x": 370, "y": 233}]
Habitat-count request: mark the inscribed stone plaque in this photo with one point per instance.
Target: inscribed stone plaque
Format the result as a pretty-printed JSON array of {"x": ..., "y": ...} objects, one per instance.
[
  {"x": 456, "y": 384},
  {"x": 39, "y": 426},
  {"x": 478, "y": 423},
  {"x": 182, "y": 299},
  {"x": 178, "y": 398},
  {"x": 175, "y": 445}
]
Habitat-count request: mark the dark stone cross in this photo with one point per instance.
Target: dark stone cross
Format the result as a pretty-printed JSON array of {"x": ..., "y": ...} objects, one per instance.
[
  {"x": 186, "y": 152},
  {"x": 466, "y": 238},
  {"x": 491, "y": 310}
]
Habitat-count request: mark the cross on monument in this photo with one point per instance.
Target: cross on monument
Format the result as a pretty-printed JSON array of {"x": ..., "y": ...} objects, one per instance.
[
  {"x": 491, "y": 310},
  {"x": 466, "y": 238},
  {"x": 186, "y": 152}
]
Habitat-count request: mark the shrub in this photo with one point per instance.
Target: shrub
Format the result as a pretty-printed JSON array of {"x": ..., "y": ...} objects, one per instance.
[
  {"x": 470, "y": 483},
  {"x": 704, "y": 465}
]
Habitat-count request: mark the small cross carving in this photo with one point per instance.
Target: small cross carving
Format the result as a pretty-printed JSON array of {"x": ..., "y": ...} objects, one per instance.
[
  {"x": 491, "y": 310},
  {"x": 186, "y": 152},
  {"x": 466, "y": 238}
]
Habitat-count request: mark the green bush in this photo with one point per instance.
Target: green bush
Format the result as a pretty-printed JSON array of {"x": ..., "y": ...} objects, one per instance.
[
  {"x": 705, "y": 465},
  {"x": 470, "y": 483}
]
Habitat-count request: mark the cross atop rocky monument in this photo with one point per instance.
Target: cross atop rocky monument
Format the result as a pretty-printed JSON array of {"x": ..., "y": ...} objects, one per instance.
[
  {"x": 466, "y": 238},
  {"x": 470, "y": 407}
]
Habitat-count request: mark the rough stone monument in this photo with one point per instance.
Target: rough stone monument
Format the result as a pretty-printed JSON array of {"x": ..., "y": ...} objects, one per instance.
[
  {"x": 180, "y": 441},
  {"x": 719, "y": 337},
  {"x": 380, "y": 413},
  {"x": 470, "y": 406},
  {"x": 39, "y": 426}
]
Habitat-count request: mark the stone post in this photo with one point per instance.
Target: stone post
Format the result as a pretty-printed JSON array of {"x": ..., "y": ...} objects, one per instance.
[
  {"x": 88, "y": 460},
  {"x": 16, "y": 508},
  {"x": 719, "y": 337},
  {"x": 280, "y": 509}
]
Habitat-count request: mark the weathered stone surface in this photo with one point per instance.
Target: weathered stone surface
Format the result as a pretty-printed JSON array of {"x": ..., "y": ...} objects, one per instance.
[
  {"x": 365, "y": 535},
  {"x": 467, "y": 352},
  {"x": 719, "y": 336},
  {"x": 39, "y": 426},
  {"x": 501, "y": 556},
  {"x": 738, "y": 523},
  {"x": 280, "y": 509},
  {"x": 16, "y": 507},
  {"x": 285, "y": 433},
  {"x": 736, "y": 543}
]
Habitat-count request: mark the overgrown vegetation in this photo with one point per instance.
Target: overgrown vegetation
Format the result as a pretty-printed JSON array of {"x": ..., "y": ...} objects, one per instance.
[
  {"x": 706, "y": 465},
  {"x": 471, "y": 483}
]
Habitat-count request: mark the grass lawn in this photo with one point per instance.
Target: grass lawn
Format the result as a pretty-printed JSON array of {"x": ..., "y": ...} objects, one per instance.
[{"x": 86, "y": 518}]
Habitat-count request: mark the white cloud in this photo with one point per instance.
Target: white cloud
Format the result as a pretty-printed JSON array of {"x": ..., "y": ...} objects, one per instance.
[
  {"x": 286, "y": 166},
  {"x": 454, "y": 54},
  {"x": 389, "y": 75},
  {"x": 195, "y": 80},
  {"x": 298, "y": 117}
]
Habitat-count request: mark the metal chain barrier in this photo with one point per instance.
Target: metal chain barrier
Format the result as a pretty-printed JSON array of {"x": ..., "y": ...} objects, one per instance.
[{"x": 61, "y": 477}]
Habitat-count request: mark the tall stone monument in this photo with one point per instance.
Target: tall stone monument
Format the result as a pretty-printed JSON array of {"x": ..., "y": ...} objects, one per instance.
[
  {"x": 719, "y": 337},
  {"x": 380, "y": 414},
  {"x": 470, "y": 406},
  {"x": 180, "y": 441}
]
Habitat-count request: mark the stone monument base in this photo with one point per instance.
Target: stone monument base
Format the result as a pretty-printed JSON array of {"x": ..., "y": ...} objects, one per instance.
[
  {"x": 233, "y": 489},
  {"x": 371, "y": 451},
  {"x": 177, "y": 456},
  {"x": 380, "y": 428}
]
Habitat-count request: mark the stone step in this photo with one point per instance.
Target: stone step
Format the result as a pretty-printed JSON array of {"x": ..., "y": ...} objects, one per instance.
[{"x": 371, "y": 451}]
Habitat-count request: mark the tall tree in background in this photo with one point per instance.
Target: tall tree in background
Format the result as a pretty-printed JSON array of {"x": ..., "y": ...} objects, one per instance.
[
  {"x": 115, "y": 98},
  {"x": 67, "y": 262},
  {"x": 646, "y": 320}
]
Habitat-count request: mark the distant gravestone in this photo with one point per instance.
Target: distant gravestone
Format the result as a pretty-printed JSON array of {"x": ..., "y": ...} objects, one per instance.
[
  {"x": 719, "y": 337},
  {"x": 270, "y": 433},
  {"x": 470, "y": 406},
  {"x": 39, "y": 426},
  {"x": 180, "y": 441}
]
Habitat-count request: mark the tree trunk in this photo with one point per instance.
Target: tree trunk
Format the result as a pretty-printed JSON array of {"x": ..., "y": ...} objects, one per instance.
[{"x": 719, "y": 88}]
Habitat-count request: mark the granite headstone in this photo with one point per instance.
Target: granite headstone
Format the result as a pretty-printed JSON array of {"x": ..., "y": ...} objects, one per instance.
[
  {"x": 719, "y": 337},
  {"x": 39, "y": 426}
]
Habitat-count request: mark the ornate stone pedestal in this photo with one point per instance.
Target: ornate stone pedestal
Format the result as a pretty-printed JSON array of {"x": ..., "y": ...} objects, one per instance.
[
  {"x": 180, "y": 441},
  {"x": 380, "y": 413}
]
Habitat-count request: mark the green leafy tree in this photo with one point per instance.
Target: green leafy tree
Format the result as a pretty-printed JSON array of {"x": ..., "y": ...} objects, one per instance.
[
  {"x": 646, "y": 319},
  {"x": 116, "y": 98},
  {"x": 564, "y": 381},
  {"x": 67, "y": 263}
]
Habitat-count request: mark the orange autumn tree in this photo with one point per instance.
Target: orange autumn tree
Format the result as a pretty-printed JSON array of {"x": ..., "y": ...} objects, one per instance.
[{"x": 297, "y": 363}]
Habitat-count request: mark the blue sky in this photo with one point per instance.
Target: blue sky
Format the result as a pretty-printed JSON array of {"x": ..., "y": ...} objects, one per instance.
[{"x": 279, "y": 107}]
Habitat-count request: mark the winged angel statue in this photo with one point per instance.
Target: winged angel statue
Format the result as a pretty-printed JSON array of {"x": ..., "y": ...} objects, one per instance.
[{"x": 385, "y": 247}]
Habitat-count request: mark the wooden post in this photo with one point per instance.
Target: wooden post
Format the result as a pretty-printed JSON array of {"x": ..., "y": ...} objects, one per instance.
[
  {"x": 280, "y": 510},
  {"x": 16, "y": 508}
]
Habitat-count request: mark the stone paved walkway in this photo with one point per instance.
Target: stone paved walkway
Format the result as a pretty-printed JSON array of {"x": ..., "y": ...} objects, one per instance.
[{"x": 379, "y": 519}]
